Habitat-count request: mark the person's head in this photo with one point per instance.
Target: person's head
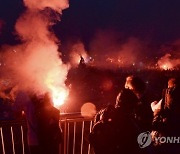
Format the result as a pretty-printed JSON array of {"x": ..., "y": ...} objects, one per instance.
[
  {"x": 47, "y": 99},
  {"x": 172, "y": 83},
  {"x": 127, "y": 100},
  {"x": 135, "y": 84},
  {"x": 128, "y": 83}
]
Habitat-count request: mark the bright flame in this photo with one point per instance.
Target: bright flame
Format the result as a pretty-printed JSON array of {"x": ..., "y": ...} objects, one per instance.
[
  {"x": 59, "y": 96},
  {"x": 168, "y": 63},
  {"x": 166, "y": 66},
  {"x": 36, "y": 64},
  {"x": 58, "y": 93}
]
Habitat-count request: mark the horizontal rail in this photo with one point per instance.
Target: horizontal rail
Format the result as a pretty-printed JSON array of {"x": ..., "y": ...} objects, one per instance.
[{"x": 75, "y": 129}]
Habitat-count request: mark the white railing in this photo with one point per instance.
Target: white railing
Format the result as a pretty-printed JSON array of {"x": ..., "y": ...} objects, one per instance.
[
  {"x": 75, "y": 129},
  {"x": 12, "y": 137}
]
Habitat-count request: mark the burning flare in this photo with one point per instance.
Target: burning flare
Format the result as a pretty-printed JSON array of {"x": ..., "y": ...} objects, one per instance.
[
  {"x": 167, "y": 63},
  {"x": 37, "y": 65},
  {"x": 59, "y": 93}
]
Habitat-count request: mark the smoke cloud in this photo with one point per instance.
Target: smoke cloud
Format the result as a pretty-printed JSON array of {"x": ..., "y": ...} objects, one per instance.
[
  {"x": 56, "y": 5},
  {"x": 76, "y": 50},
  {"x": 110, "y": 51},
  {"x": 36, "y": 64},
  {"x": 168, "y": 63}
]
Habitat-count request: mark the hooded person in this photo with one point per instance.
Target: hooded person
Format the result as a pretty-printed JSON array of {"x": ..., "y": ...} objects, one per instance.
[
  {"x": 116, "y": 131},
  {"x": 23, "y": 103},
  {"x": 167, "y": 118},
  {"x": 49, "y": 131},
  {"x": 43, "y": 130},
  {"x": 143, "y": 112}
]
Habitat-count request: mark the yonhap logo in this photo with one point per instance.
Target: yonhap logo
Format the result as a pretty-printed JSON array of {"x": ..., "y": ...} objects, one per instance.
[{"x": 144, "y": 139}]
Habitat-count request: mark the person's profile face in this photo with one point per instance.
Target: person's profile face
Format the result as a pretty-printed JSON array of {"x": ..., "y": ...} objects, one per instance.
[
  {"x": 128, "y": 84},
  {"x": 171, "y": 83}
]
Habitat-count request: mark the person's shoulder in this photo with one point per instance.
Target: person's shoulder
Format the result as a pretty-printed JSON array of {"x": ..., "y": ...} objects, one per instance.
[
  {"x": 22, "y": 97},
  {"x": 55, "y": 110}
]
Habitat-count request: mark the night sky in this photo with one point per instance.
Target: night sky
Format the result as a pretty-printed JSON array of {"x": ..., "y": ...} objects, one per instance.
[{"x": 156, "y": 21}]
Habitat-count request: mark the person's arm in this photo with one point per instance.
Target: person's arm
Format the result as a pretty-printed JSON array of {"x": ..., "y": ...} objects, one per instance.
[{"x": 117, "y": 100}]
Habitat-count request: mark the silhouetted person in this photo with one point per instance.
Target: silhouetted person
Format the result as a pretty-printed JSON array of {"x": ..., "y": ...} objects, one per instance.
[
  {"x": 44, "y": 133},
  {"x": 143, "y": 112},
  {"x": 166, "y": 122},
  {"x": 116, "y": 131},
  {"x": 24, "y": 103},
  {"x": 49, "y": 132},
  {"x": 82, "y": 63}
]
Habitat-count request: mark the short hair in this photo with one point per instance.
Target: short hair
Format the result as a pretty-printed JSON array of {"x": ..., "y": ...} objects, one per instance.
[
  {"x": 173, "y": 82},
  {"x": 137, "y": 84},
  {"x": 126, "y": 99}
]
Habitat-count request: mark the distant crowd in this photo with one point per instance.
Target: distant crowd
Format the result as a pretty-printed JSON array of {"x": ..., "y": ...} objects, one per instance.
[{"x": 132, "y": 124}]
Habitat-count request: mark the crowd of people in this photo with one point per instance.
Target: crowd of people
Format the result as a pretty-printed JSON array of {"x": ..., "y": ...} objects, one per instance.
[{"x": 117, "y": 127}]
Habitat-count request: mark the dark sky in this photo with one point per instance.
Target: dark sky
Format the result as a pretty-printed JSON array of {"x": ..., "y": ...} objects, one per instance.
[{"x": 157, "y": 21}]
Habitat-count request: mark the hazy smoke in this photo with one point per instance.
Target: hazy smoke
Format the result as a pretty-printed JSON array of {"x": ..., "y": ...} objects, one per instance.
[
  {"x": 57, "y": 5},
  {"x": 77, "y": 50},
  {"x": 167, "y": 62},
  {"x": 109, "y": 51},
  {"x": 36, "y": 64}
]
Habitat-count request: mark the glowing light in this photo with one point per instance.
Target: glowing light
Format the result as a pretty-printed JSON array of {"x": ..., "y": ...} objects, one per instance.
[
  {"x": 111, "y": 60},
  {"x": 88, "y": 110},
  {"x": 78, "y": 50},
  {"x": 59, "y": 96},
  {"x": 167, "y": 66},
  {"x": 167, "y": 62},
  {"x": 58, "y": 93}
]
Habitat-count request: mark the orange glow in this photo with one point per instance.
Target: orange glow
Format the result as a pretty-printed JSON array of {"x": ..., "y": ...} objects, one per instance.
[
  {"x": 167, "y": 62},
  {"x": 88, "y": 110},
  {"x": 58, "y": 93},
  {"x": 76, "y": 57},
  {"x": 59, "y": 96},
  {"x": 166, "y": 66},
  {"x": 36, "y": 63},
  {"x": 78, "y": 50},
  {"x": 107, "y": 85}
]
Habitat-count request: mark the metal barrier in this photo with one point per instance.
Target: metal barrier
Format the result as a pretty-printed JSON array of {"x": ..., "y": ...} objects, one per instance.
[
  {"x": 13, "y": 138},
  {"x": 75, "y": 128}
]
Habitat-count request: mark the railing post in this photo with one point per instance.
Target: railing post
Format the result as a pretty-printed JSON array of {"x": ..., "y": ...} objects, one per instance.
[
  {"x": 82, "y": 137},
  {"x": 2, "y": 139},
  {"x": 90, "y": 129},
  {"x": 65, "y": 139},
  {"x": 22, "y": 134},
  {"x": 74, "y": 138},
  {"x": 12, "y": 137}
]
